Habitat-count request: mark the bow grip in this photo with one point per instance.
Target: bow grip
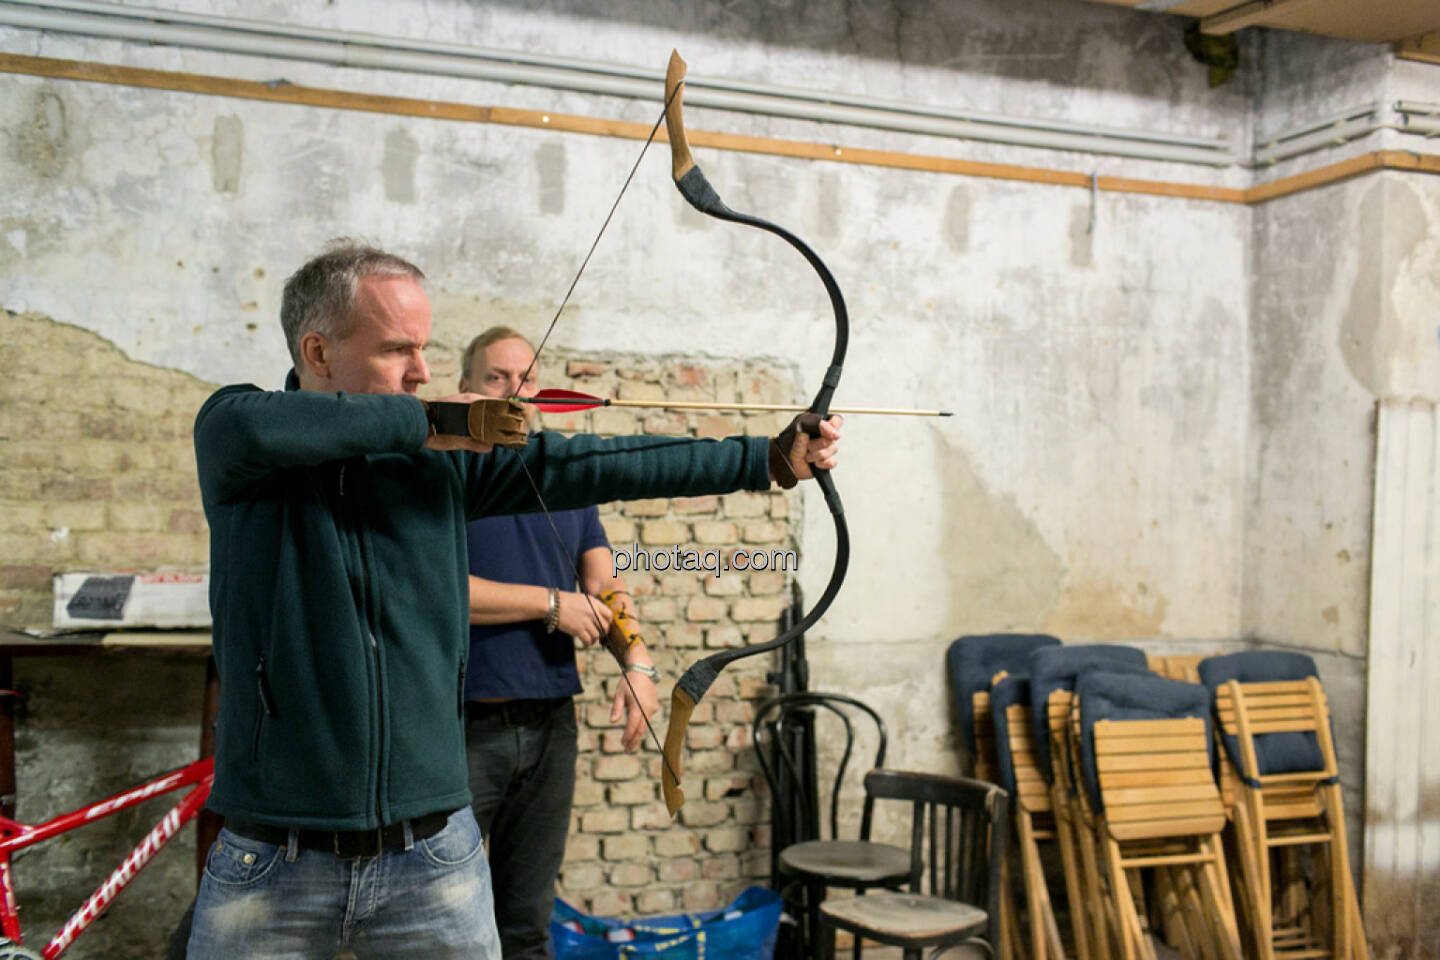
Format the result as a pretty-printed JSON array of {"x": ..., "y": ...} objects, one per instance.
[{"x": 681, "y": 706}]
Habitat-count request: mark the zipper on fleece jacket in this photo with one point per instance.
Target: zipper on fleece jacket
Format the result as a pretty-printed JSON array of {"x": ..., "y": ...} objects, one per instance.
[{"x": 365, "y": 612}]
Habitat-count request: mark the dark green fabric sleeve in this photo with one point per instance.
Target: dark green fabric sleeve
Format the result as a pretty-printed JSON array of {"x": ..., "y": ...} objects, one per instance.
[
  {"x": 243, "y": 433},
  {"x": 583, "y": 470}
]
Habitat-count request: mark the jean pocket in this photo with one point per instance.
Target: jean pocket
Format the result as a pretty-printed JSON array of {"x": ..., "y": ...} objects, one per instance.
[
  {"x": 457, "y": 843},
  {"x": 239, "y": 861}
]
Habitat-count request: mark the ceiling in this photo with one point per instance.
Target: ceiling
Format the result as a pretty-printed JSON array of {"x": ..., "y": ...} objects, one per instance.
[{"x": 1370, "y": 21}]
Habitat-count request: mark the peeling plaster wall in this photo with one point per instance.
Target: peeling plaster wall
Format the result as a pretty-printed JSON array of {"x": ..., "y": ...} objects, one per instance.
[
  {"x": 1145, "y": 446},
  {"x": 1345, "y": 314}
]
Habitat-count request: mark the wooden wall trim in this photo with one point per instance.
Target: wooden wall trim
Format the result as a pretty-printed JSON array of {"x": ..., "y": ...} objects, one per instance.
[{"x": 285, "y": 92}]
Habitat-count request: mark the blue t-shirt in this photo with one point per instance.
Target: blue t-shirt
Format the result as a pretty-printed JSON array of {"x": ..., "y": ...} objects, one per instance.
[{"x": 520, "y": 659}]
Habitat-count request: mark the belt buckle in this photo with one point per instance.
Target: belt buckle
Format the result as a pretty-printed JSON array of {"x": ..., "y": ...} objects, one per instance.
[{"x": 360, "y": 852}]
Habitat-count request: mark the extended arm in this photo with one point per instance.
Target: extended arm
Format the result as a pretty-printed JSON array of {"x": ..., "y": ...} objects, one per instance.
[{"x": 243, "y": 433}]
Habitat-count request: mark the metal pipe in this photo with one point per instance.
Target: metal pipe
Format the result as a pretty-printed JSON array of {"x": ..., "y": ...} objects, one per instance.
[
  {"x": 1320, "y": 137},
  {"x": 370, "y": 51}
]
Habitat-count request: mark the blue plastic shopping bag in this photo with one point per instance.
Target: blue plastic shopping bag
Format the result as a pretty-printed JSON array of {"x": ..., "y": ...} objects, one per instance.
[{"x": 744, "y": 930}]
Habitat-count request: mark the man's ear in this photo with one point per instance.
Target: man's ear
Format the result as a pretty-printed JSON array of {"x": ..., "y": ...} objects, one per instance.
[{"x": 315, "y": 352}]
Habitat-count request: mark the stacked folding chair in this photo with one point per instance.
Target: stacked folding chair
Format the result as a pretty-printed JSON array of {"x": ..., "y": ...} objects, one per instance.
[
  {"x": 1031, "y": 809},
  {"x": 1178, "y": 667},
  {"x": 1295, "y": 888},
  {"x": 1052, "y": 679},
  {"x": 1144, "y": 754},
  {"x": 975, "y": 664}
]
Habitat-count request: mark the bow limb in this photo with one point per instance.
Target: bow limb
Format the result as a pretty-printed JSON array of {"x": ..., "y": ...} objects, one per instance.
[{"x": 696, "y": 680}]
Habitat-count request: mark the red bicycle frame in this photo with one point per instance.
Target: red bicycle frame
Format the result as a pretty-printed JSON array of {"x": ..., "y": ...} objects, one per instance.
[{"x": 15, "y": 835}]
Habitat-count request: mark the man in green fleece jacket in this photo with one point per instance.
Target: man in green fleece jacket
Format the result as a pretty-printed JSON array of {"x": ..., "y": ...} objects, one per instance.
[{"x": 337, "y": 514}]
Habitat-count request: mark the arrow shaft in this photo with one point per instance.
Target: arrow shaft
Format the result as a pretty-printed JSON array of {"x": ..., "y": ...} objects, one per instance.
[{"x": 706, "y": 405}]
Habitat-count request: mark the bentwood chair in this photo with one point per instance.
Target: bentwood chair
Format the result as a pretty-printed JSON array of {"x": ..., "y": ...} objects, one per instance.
[
  {"x": 958, "y": 832},
  {"x": 807, "y": 863}
]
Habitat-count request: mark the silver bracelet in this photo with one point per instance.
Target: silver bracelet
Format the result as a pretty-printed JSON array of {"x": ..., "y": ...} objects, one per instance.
[
  {"x": 645, "y": 670},
  {"x": 552, "y": 616}
]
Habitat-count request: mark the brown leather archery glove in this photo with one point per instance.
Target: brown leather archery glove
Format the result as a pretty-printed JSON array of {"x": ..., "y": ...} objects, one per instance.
[
  {"x": 782, "y": 444},
  {"x": 498, "y": 421},
  {"x": 493, "y": 420}
]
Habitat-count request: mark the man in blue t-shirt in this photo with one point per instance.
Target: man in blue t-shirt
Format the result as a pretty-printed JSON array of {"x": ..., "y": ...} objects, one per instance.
[{"x": 526, "y": 620}]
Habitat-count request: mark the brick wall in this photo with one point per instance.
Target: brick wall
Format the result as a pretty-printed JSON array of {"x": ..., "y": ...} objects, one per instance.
[
  {"x": 98, "y": 472},
  {"x": 625, "y": 855}
]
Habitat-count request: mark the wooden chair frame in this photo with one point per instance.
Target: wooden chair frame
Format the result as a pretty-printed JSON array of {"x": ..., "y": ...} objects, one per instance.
[
  {"x": 1162, "y": 809},
  {"x": 1275, "y": 813},
  {"x": 1034, "y": 818},
  {"x": 987, "y": 768}
]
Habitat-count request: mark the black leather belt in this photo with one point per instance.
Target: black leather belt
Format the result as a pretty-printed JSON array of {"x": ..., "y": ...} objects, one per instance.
[
  {"x": 516, "y": 713},
  {"x": 346, "y": 844}
]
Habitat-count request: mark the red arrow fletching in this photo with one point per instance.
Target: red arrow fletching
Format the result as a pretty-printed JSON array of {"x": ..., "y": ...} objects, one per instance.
[{"x": 563, "y": 401}]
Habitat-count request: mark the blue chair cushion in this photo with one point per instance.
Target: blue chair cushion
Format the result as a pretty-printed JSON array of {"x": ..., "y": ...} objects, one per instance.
[
  {"x": 1106, "y": 695},
  {"x": 1055, "y": 668},
  {"x": 1122, "y": 667},
  {"x": 1284, "y": 752},
  {"x": 973, "y": 660},
  {"x": 1008, "y": 692}
]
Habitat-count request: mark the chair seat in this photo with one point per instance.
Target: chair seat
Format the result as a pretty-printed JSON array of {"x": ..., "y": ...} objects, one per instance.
[
  {"x": 894, "y": 918},
  {"x": 847, "y": 861}
]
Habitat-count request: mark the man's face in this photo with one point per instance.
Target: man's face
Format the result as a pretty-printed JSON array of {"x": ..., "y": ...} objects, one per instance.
[
  {"x": 384, "y": 350},
  {"x": 496, "y": 371}
]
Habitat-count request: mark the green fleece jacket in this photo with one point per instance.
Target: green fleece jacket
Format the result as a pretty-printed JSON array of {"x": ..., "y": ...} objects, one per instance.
[{"x": 339, "y": 595}]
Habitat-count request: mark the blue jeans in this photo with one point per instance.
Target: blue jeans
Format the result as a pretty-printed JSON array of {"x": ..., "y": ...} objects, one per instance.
[
  {"x": 433, "y": 900},
  {"x": 522, "y": 776}
]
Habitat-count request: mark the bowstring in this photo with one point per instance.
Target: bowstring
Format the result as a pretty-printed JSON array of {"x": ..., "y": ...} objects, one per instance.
[
  {"x": 590, "y": 602},
  {"x": 596, "y": 242},
  {"x": 560, "y": 541}
]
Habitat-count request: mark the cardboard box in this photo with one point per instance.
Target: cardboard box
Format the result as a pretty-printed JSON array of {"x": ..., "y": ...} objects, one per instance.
[{"x": 105, "y": 601}]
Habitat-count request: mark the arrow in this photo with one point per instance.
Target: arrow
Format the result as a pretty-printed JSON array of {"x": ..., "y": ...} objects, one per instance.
[{"x": 563, "y": 401}]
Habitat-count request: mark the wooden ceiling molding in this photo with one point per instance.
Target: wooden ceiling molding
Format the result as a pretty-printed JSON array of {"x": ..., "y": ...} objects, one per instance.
[{"x": 1368, "y": 21}]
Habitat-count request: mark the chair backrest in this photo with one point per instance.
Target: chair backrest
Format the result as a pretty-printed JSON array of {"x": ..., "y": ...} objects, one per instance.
[
  {"x": 1178, "y": 666},
  {"x": 958, "y": 833},
  {"x": 973, "y": 662},
  {"x": 1055, "y": 668},
  {"x": 1152, "y": 736},
  {"x": 778, "y": 748},
  {"x": 1015, "y": 745},
  {"x": 1064, "y": 761},
  {"x": 1272, "y": 712}
]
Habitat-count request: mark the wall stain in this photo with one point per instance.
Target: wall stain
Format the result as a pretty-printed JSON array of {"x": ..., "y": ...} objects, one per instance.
[
  {"x": 1004, "y": 575},
  {"x": 828, "y": 194},
  {"x": 42, "y": 141},
  {"x": 1368, "y": 332},
  {"x": 1082, "y": 238},
  {"x": 551, "y": 162},
  {"x": 1095, "y": 608},
  {"x": 456, "y": 319},
  {"x": 397, "y": 167},
  {"x": 956, "y": 225},
  {"x": 227, "y": 153}
]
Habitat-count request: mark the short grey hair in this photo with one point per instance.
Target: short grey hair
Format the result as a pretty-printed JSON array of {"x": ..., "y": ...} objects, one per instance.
[{"x": 320, "y": 296}]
